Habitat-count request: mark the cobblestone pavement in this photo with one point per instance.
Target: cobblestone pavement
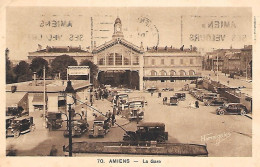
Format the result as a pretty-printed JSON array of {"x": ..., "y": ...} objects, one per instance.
[{"x": 227, "y": 135}]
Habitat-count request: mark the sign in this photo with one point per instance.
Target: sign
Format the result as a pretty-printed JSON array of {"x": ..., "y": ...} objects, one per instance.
[{"x": 78, "y": 70}]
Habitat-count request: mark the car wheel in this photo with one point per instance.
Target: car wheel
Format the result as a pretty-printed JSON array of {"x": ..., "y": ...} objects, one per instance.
[
  {"x": 32, "y": 128},
  {"x": 16, "y": 133},
  {"x": 242, "y": 112},
  {"x": 160, "y": 139},
  {"x": 221, "y": 112}
]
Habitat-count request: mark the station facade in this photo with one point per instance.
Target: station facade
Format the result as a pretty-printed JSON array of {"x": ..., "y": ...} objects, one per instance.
[{"x": 119, "y": 59}]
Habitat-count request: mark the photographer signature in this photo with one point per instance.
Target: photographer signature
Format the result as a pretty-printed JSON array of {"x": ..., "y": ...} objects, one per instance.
[{"x": 218, "y": 138}]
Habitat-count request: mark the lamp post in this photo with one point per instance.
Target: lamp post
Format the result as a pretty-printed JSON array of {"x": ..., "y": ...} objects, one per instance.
[{"x": 70, "y": 101}]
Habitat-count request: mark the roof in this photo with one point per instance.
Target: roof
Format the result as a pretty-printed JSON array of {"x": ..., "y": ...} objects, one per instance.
[
  {"x": 118, "y": 20},
  {"x": 62, "y": 49},
  {"x": 167, "y": 49},
  {"x": 149, "y": 124},
  {"x": 117, "y": 41},
  {"x": 22, "y": 118},
  {"x": 100, "y": 118},
  {"x": 14, "y": 98}
]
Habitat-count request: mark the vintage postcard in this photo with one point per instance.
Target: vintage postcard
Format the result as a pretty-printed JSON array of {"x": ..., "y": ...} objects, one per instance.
[{"x": 127, "y": 84}]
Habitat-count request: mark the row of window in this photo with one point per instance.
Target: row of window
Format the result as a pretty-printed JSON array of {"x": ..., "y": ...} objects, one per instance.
[
  {"x": 118, "y": 59},
  {"x": 153, "y": 62},
  {"x": 172, "y": 73}
]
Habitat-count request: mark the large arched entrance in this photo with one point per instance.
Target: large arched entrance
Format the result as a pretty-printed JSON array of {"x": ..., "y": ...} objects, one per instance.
[{"x": 124, "y": 79}]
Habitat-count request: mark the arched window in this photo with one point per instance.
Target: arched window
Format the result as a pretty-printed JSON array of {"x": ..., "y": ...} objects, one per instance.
[
  {"x": 163, "y": 73},
  {"x": 153, "y": 73},
  {"x": 172, "y": 73},
  {"x": 182, "y": 73},
  {"x": 191, "y": 72}
]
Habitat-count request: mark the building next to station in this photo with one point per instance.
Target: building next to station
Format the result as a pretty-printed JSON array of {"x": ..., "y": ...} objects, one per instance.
[
  {"x": 123, "y": 63},
  {"x": 30, "y": 95}
]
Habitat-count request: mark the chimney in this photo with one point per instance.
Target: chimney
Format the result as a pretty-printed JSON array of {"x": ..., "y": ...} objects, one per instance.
[
  {"x": 191, "y": 48},
  {"x": 39, "y": 47},
  {"x": 142, "y": 47},
  {"x": 68, "y": 48},
  {"x": 182, "y": 48},
  {"x": 79, "y": 47},
  {"x": 47, "y": 48},
  {"x": 166, "y": 48},
  {"x": 34, "y": 83}
]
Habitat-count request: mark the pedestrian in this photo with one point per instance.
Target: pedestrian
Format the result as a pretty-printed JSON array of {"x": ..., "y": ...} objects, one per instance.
[
  {"x": 113, "y": 119},
  {"x": 53, "y": 151},
  {"x": 196, "y": 104},
  {"x": 84, "y": 112}
]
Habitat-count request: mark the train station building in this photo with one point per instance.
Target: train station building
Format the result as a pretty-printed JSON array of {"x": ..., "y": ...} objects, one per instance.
[{"x": 121, "y": 62}]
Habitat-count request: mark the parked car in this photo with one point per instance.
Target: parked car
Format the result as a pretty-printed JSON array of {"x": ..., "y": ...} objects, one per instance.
[
  {"x": 232, "y": 108},
  {"x": 215, "y": 102},
  {"x": 208, "y": 96},
  {"x": 101, "y": 127},
  {"x": 173, "y": 100},
  {"x": 17, "y": 111},
  {"x": 79, "y": 127},
  {"x": 181, "y": 96},
  {"x": 8, "y": 122},
  {"x": 54, "y": 120},
  {"x": 147, "y": 131},
  {"x": 136, "y": 110},
  {"x": 19, "y": 126}
]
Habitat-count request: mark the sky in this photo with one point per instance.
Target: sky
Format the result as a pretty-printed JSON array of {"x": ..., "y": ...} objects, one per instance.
[{"x": 206, "y": 28}]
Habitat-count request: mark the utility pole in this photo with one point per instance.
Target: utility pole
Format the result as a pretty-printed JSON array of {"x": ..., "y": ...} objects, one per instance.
[
  {"x": 44, "y": 98},
  {"x": 217, "y": 67}
]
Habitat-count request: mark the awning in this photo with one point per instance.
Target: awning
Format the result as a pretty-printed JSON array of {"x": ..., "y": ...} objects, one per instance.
[
  {"x": 38, "y": 99},
  {"x": 13, "y": 99}
]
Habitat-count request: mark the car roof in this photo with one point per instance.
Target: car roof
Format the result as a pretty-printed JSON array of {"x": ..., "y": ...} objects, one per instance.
[
  {"x": 22, "y": 118},
  {"x": 150, "y": 124}
]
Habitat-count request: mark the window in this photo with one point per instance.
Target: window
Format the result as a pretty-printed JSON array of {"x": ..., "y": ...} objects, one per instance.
[
  {"x": 136, "y": 60},
  {"x": 172, "y": 61},
  {"x": 182, "y": 73},
  {"x": 163, "y": 73},
  {"x": 126, "y": 61},
  {"x": 118, "y": 59},
  {"x": 191, "y": 61},
  {"x": 153, "y": 73},
  {"x": 162, "y": 80},
  {"x": 181, "y": 61},
  {"x": 101, "y": 61},
  {"x": 172, "y": 80},
  {"x": 162, "y": 61},
  {"x": 172, "y": 73},
  {"x": 191, "y": 72},
  {"x": 153, "y": 62},
  {"x": 110, "y": 59}
]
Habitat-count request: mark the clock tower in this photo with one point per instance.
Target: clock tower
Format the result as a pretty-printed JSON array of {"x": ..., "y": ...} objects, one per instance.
[{"x": 118, "y": 29}]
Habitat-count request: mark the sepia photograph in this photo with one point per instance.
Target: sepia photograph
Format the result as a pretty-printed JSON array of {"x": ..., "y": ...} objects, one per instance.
[{"x": 128, "y": 82}]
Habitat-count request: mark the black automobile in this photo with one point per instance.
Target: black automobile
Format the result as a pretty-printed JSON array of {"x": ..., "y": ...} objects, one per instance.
[
  {"x": 147, "y": 131},
  {"x": 215, "y": 102},
  {"x": 54, "y": 120},
  {"x": 17, "y": 111},
  {"x": 232, "y": 108},
  {"x": 79, "y": 127},
  {"x": 181, "y": 96},
  {"x": 19, "y": 126}
]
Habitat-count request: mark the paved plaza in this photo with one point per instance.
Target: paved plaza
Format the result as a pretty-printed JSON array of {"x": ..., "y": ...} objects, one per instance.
[{"x": 227, "y": 135}]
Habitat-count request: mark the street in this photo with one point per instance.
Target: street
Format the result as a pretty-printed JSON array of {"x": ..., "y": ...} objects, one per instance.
[{"x": 226, "y": 135}]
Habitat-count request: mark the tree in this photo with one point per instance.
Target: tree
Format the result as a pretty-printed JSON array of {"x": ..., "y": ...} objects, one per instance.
[
  {"x": 93, "y": 71},
  {"x": 37, "y": 66},
  {"x": 8, "y": 69},
  {"x": 60, "y": 65},
  {"x": 23, "y": 72}
]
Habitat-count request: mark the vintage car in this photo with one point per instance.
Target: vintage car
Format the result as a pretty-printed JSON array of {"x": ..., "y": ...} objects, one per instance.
[
  {"x": 54, "y": 120},
  {"x": 19, "y": 126},
  {"x": 232, "y": 108},
  {"x": 215, "y": 101},
  {"x": 8, "y": 121},
  {"x": 181, "y": 96},
  {"x": 147, "y": 131},
  {"x": 208, "y": 96},
  {"x": 121, "y": 99},
  {"x": 101, "y": 127},
  {"x": 79, "y": 127},
  {"x": 135, "y": 110},
  {"x": 16, "y": 111}
]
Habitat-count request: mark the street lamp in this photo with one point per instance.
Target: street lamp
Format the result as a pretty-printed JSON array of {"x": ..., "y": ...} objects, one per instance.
[{"x": 70, "y": 92}]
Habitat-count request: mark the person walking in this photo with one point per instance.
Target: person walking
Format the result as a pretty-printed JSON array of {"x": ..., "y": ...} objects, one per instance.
[
  {"x": 84, "y": 113},
  {"x": 196, "y": 104},
  {"x": 113, "y": 119}
]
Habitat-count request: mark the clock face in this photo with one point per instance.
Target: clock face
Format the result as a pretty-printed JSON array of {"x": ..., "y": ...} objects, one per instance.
[{"x": 118, "y": 28}]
